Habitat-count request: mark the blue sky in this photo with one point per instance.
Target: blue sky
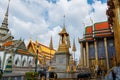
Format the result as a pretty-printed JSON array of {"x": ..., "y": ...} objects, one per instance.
[{"x": 41, "y": 19}]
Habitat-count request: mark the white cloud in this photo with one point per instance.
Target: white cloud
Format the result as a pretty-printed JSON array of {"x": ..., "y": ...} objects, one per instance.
[{"x": 28, "y": 18}]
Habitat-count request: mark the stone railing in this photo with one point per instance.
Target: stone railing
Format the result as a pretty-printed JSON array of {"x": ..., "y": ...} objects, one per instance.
[{"x": 13, "y": 76}]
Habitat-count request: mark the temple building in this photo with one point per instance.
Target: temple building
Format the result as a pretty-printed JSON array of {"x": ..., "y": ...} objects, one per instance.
[
  {"x": 45, "y": 54},
  {"x": 97, "y": 46},
  {"x": 14, "y": 56}
]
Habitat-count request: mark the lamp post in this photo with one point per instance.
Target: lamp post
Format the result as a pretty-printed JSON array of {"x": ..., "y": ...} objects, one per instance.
[{"x": 36, "y": 60}]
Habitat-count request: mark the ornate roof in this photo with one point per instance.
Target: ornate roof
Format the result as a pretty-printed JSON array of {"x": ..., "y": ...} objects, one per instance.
[
  {"x": 101, "y": 29},
  {"x": 16, "y": 44},
  {"x": 63, "y": 31},
  {"x": 43, "y": 51}
]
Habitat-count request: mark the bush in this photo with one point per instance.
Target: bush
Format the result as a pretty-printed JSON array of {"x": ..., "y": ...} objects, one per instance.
[{"x": 31, "y": 75}]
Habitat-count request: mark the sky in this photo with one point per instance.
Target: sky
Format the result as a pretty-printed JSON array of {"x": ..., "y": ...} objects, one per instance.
[{"x": 41, "y": 19}]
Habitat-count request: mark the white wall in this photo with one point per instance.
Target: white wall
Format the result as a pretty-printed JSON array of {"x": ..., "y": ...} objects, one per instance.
[{"x": 1, "y": 57}]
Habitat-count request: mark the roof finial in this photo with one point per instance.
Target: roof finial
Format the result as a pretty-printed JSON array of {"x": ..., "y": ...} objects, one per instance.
[
  {"x": 91, "y": 20},
  {"x": 64, "y": 21},
  {"x": 51, "y": 44},
  {"x": 74, "y": 46},
  {"x": 5, "y": 21}
]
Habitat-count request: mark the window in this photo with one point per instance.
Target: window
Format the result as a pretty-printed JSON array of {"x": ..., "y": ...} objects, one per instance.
[{"x": 16, "y": 61}]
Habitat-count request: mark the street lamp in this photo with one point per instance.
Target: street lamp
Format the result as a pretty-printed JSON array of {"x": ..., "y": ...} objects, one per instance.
[{"x": 36, "y": 60}]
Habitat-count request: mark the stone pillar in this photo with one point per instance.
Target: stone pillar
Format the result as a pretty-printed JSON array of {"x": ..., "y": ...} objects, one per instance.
[
  {"x": 21, "y": 61},
  {"x": 3, "y": 61},
  {"x": 28, "y": 61},
  {"x": 84, "y": 52},
  {"x": 106, "y": 52},
  {"x": 82, "y": 55},
  {"x": 87, "y": 54},
  {"x": 96, "y": 52}
]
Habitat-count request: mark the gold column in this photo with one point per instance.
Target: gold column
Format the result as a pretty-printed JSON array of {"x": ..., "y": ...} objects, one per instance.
[
  {"x": 82, "y": 55},
  {"x": 87, "y": 54},
  {"x": 96, "y": 53},
  {"x": 106, "y": 52},
  {"x": 116, "y": 28}
]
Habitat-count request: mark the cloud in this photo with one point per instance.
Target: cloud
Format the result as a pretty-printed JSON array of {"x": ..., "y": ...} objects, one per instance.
[{"x": 41, "y": 19}]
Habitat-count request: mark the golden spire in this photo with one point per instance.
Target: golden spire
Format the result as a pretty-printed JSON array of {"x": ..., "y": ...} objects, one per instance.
[
  {"x": 74, "y": 46},
  {"x": 63, "y": 30},
  {"x": 74, "y": 50},
  {"x": 51, "y": 44},
  {"x": 5, "y": 21}
]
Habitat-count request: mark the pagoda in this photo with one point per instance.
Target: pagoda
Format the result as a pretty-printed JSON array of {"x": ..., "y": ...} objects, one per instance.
[{"x": 5, "y": 34}]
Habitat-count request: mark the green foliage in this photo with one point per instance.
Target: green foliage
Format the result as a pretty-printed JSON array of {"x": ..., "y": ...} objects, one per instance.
[
  {"x": 31, "y": 75},
  {"x": 0, "y": 76}
]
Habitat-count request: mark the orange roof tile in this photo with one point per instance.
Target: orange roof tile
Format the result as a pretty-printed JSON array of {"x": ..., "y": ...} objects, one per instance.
[
  {"x": 89, "y": 30},
  {"x": 8, "y": 43},
  {"x": 103, "y": 35},
  {"x": 89, "y": 38},
  {"x": 23, "y": 52},
  {"x": 102, "y": 25}
]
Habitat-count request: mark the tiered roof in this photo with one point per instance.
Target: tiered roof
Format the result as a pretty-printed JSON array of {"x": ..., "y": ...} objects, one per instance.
[
  {"x": 43, "y": 51},
  {"x": 97, "y": 30},
  {"x": 15, "y": 44}
]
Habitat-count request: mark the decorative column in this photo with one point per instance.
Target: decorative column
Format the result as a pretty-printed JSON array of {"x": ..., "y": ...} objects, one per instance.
[
  {"x": 3, "y": 62},
  {"x": 106, "y": 52},
  {"x": 82, "y": 55},
  {"x": 96, "y": 52},
  {"x": 21, "y": 61},
  {"x": 84, "y": 52},
  {"x": 87, "y": 54}
]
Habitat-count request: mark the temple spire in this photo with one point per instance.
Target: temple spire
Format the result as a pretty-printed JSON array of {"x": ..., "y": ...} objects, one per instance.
[
  {"x": 64, "y": 21},
  {"x": 74, "y": 46},
  {"x": 51, "y": 44},
  {"x": 5, "y": 20},
  {"x": 74, "y": 50}
]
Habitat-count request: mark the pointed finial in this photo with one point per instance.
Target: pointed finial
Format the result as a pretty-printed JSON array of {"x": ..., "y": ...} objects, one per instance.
[
  {"x": 51, "y": 44},
  {"x": 64, "y": 21},
  {"x": 74, "y": 46},
  {"x": 5, "y": 21},
  {"x": 36, "y": 39},
  {"x": 91, "y": 20}
]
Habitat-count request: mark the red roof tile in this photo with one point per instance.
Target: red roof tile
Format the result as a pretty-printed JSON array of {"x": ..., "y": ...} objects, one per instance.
[
  {"x": 8, "y": 43},
  {"x": 23, "y": 52},
  {"x": 89, "y": 30},
  {"x": 102, "y": 25}
]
